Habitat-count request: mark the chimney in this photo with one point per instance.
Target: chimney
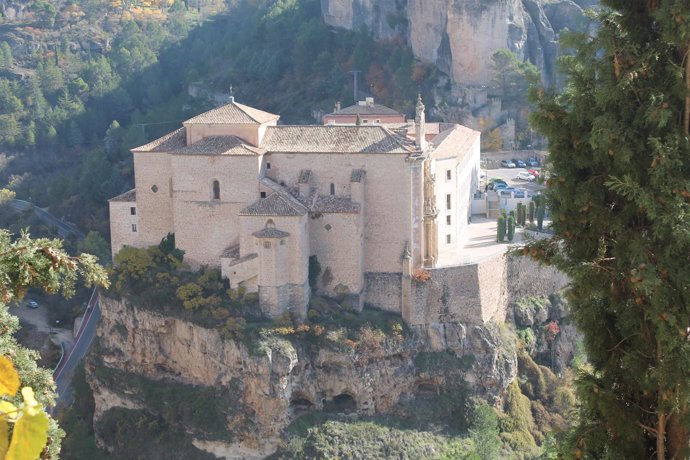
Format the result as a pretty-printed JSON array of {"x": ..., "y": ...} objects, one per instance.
[
  {"x": 420, "y": 125},
  {"x": 370, "y": 101},
  {"x": 231, "y": 98},
  {"x": 337, "y": 106}
]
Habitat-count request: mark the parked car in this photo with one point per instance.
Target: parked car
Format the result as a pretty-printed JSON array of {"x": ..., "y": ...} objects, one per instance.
[
  {"x": 507, "y": 164},
  {"x": 500, "y": 186},
  {"x": 496, "y": 181},
  {"x": 32, "y": 304},
  {"x": 520, "y": 193},
  {"x": 519, "y": 163},
  {"x": 507, "y": 190},
  {"x": 524, "y": 175},
  {"x": 532, "y": 162},
  {"x": 533, "y": 172}
]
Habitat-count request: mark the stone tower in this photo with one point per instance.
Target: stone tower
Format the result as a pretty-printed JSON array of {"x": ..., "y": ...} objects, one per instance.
[{"x": 274, "y": 296}]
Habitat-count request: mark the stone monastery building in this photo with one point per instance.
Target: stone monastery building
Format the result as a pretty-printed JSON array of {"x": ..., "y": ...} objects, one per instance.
[{"x": 370, "y": 203}]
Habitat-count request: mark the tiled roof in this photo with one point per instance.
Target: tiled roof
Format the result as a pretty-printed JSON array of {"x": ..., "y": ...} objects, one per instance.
[
  {"x": 219, "y": 145},
  {"x": 452, "y": 141},
  {"x": 270, "y": 232},
  {"x": 231, "y": 252},
  {"x": 127, "y": 196},
  {"x": 239, "y": 260},
  {"x": 367, "y": 109},
  {"x": 233, "y": 113},
  {"x": 334, "y": 139},
  {"x": 357, "y": 175},
  {"x": 276, "y": 204},
  {"x": 169, "y": 143},
  {"x": 304, "y": 176},
  {"x": 334, "y": 204}
]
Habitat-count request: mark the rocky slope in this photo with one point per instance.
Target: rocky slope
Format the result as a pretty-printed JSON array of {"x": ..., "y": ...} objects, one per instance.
[
  {"x": 258, "y": 389},
  {"x": 459, "y": 36}
]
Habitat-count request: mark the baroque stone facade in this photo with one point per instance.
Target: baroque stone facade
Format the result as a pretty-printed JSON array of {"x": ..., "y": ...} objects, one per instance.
[{"x": 257, "y": 199}]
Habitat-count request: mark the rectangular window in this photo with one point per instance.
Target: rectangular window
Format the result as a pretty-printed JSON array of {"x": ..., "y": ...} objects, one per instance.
[
  {"x": 448, "y": 174},
  {"x": 332, "y": 189},
  {"x": 133, "y": 211},
  {"x": 447, "y": 220},
  {"x": 448, "y": 201},
  {"x": 365, "y": 121},
  {"x": 267, "y": 245},
  {"x": 448, "y": 239},
  {"x": 268, "y": 165},
  {"x": 263, "y": 194},
  {"x": 134, "y": 227}
]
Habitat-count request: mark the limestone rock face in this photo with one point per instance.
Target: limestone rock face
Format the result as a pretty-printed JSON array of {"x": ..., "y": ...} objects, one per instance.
[
  {"x": 271, "y": 387},
  {"x": 459, "y": 36}
]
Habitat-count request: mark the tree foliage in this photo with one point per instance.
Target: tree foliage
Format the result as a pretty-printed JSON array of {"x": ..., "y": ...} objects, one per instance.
[
  {"x": 25, "y": 263},
  {"x": 620, "y": 201}
]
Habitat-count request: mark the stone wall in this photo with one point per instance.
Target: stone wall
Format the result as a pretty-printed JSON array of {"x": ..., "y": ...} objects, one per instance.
[
  {"x": 383, "y": 290},
  {"x": 121, "y": 225},
  {"x": 479, "y": 293}
]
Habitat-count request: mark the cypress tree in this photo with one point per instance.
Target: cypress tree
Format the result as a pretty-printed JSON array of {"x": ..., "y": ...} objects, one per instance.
[{"x": 619, "y": 194}]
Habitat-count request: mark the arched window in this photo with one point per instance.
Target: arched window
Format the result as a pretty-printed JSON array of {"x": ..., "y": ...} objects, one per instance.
[{"x": 216, "y": 190}]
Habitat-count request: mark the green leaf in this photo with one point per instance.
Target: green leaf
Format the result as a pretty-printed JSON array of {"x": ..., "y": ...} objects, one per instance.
[
  {"x": 9, "y": 379},
  {"x": 29, "y": 437}
]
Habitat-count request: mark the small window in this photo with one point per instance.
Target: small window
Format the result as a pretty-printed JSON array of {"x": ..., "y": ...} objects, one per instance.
[
  {"x": 378, "y": 121},
  {"x": 134, "y": 227},
  {"x": 448, "y": 174},
  {"x": 332, "y": 189},
  {"x": 216, "y": 190},
  {"x": 448, "y": 239},
  {"x": 263, "y": 194},
  {"x": 365, "y": 121},
  {"x": 447, "y": 220},
  {"x": 448, "y": 201},
  {"x": 133, "y": 211},
  {"x": 267, "y": 245},
  {"x": 268, "y": 165}
]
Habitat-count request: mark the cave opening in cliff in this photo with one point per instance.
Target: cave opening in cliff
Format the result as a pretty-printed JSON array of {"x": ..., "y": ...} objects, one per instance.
[
  {"x": 340, "y": 403},
  {"x": 299, "y": 406}
]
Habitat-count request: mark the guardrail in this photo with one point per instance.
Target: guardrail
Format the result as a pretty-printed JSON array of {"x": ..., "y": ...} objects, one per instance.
[{"x": 85, "y": 320}]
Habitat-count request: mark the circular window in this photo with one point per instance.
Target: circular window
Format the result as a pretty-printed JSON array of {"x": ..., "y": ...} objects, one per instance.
[{"x": 154, "y": 188}]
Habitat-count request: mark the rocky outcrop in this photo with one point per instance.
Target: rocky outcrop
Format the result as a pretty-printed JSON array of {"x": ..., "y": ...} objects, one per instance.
[
  {"x": 267, "y": 386},
  {"x": 460, "y": 36}
]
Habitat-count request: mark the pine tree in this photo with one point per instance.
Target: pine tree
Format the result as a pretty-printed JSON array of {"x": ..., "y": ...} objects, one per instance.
[{"x": 619, "y": 195}]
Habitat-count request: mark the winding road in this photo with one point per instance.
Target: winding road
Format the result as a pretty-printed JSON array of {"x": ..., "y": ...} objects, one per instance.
[
  {"x": 64, "y": 229},
  {"x": 62, "y": 375}
]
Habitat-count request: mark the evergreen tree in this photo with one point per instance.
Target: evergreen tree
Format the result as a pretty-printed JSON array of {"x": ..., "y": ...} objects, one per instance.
[{"x": 620, "y": 201}]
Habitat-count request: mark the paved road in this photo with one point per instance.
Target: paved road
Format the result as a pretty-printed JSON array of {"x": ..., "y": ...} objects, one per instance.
[
  {"x": 65, "y": 369},
  {"x": 64, "y": 229}
]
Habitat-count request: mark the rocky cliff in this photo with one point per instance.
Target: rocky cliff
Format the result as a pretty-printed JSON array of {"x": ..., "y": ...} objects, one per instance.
[
  {"x": 460, "y": 36},
  {"x": 258, "y": 389}
]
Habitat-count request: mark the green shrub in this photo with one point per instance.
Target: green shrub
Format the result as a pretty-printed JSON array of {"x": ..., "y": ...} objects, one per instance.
[
  {"x": 511, "y": 228},
  {"x": 501, "y": 229}
]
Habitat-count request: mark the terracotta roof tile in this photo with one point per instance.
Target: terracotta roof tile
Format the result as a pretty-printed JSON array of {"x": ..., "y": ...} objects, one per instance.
[
  {"x": 334, "y": 139},
  {"x": 169, "y": 143},
  {"x": 219, "y": 145},
  {"x": 457, "y": 139},
  {"x": 270, "y": 232},
  {"x": 334, "y": 204},
  {"x": 275, "y": 205},
  {"x": 233, "y": 113},
  {"x": 130, "y": 196},
  {"x": 367, "y": 109}
]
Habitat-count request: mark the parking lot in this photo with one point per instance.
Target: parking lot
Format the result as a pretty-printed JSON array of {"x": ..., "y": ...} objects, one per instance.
[{"x": 508, "y": 175}]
